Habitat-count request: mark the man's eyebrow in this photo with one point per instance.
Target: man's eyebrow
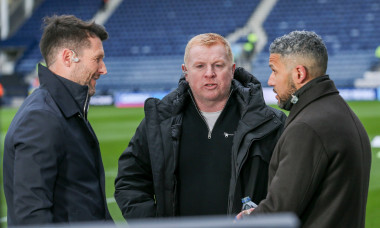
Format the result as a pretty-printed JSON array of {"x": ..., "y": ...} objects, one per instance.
[
  {"x": 198, "y": 62},
  {"x": 102, "y": 55}
]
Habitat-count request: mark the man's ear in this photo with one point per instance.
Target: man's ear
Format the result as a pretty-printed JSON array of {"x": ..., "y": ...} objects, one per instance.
[
  {"x": 184, "y": 70},
  {"x": 233, "y": 69},
  {"x": 301, "y": 75},
  {"x": 66, "y": 57}
]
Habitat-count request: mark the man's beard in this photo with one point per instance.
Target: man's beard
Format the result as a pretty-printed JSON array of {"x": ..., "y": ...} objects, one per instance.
[
  {"x": 284, "y": 100},
  {"x": 77, "y": 76},
  {"x": 91, "y": 90}
]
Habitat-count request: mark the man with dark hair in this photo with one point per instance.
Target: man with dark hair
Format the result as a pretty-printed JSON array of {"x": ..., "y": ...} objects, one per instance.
[
  {"x": 204, "y": 146},
  {"x": 53, "y": 170},
  {"x": 321, "y": 164}
]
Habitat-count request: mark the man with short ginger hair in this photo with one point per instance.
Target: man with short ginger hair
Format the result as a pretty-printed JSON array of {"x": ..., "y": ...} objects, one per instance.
[{"x": 205, "y": 145}]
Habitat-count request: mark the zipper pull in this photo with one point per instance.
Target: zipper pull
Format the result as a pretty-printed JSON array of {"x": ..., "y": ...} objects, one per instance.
[{"x": 209, "y": 135}]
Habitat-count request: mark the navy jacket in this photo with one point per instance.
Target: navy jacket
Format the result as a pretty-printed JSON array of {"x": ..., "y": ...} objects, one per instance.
[{"x": 53, "y": 170}]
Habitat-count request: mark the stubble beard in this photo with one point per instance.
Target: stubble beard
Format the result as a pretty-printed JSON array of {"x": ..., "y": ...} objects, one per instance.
[
  {"x": 77, "y": 76},
  {"x": 292, "y": 89}
]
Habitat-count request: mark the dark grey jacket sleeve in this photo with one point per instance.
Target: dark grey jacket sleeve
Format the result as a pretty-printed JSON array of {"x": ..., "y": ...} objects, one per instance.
[
  {"x": 37, "y": 148},
  {"x": 134, "y": 191}
]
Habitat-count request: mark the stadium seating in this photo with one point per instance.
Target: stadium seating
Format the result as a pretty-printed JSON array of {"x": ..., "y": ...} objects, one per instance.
[
  {"x": 145, "y": 28},
  {"x": 28, "y": 36},
  {"x": 148, "y": 38},
  {"x": 139, "y": 74},
  {"x": 348, "y": 27},
  {"x": 156, "y": 28}
]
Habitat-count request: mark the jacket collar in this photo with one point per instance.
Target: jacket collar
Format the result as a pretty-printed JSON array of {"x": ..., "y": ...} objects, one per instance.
[
  {"x": 313, "y": 90},
  {"x": 247, "y": 90},
  {"x": 70, "y": 97},
  {"x": 253, "y": 108}
]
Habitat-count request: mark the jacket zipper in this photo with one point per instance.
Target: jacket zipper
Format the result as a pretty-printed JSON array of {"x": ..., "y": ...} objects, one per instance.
[
  {"x": 203, "y": 118},
  {"x": 84, "y": 108}
]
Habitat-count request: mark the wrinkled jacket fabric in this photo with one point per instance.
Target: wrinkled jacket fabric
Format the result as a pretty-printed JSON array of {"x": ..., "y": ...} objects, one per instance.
[
  {"x": 321, "y": 164},
  {"x": 146, "y": 182},
  {"x": 53, "y": 170}
]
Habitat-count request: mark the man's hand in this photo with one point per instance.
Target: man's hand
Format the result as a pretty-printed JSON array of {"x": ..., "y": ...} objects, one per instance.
[{"x": 244, "y": 213}]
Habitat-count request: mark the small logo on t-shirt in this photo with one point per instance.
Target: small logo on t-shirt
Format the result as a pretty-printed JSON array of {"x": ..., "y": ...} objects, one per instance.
[{"x": 227, "y": 135}]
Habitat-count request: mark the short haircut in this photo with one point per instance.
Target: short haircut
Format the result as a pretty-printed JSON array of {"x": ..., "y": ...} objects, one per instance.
[
  {"x": 306, "y": 45},
  {"x": 67, "y": 31},
  {"x": 208, "y": 40}
]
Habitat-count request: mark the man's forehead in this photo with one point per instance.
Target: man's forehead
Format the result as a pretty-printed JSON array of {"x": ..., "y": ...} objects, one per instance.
[
  {"x": 274, "y": 59},
  {"x": 206, "y": 46},
  {"x": 216, "y": 50},
  {"x": 274, "y": 56}
]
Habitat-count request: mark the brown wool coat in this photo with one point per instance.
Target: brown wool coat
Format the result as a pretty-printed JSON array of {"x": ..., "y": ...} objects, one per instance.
[{"x": 321, "y": 164}]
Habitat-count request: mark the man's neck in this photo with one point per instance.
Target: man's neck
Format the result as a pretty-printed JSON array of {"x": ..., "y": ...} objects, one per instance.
[{"x": 211, "y": 106}]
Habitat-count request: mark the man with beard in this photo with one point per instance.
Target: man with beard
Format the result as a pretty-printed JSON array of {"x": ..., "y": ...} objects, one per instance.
[
  {"x": 321, "y": 164},
  {"x": 53, "y": 170}
]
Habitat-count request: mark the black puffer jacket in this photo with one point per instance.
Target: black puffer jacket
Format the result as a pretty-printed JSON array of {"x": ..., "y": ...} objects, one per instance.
[{"x": 146, "y": 182}]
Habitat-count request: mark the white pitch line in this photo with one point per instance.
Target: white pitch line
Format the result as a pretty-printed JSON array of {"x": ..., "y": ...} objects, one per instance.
[
  {"x": 111, "y": 200},
  {"x": 3, "y": 219},
  {"x": 111, "y": 173},
  {"x": 376, "y": 141}
]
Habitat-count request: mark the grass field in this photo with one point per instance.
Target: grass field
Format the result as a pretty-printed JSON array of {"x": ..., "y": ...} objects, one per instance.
[{"x": 114, "y": 128}]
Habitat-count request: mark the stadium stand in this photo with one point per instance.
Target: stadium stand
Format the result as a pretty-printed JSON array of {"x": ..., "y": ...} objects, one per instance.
[
  {"x": 349, "y": 28},
  {"x": 28, "y": 35},
  {"x": 141, "y": 74},
  {"x": 148, "y": 38}
]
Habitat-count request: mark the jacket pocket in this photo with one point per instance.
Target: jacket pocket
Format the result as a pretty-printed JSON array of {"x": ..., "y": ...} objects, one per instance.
[{"x": 263, "y": 147}]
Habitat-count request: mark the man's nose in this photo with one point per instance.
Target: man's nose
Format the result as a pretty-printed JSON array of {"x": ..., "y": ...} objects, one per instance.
[
  {"x": 103, "y": 68},
  {"x": 271, "y": 80},
  {"x": 210, "y": 72}
]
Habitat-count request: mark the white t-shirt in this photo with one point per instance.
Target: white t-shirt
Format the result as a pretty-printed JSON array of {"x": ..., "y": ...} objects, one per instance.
[{"x": 211, "y": 118}]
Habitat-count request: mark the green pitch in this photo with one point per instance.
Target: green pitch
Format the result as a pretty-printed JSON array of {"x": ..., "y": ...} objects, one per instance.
[{"x": 115, "y": 127}]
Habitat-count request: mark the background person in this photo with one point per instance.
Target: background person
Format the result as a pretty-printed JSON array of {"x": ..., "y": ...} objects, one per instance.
[
  {"x": 376, "y": 65},
  {"x": 53, "y": 170},
  {"x": 204, "y": 146},
  {"x": 321, "y": 164}
]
